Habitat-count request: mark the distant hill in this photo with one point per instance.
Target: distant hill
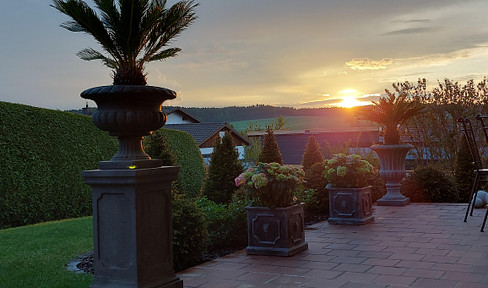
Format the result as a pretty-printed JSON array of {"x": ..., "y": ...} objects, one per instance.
[
  {"x": 255, "y": 112},
  {"x": 238, "y": 113}
]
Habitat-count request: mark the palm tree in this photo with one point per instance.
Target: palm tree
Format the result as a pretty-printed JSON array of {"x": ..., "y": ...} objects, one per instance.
[
  {"x": 392, "y": 112},
  {"x": 132, "y": 32}
]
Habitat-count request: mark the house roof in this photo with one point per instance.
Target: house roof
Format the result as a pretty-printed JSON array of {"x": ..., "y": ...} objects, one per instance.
[
  {"x": 170, "y": 110},
  {"x": 201, "y": 132},
  {"x": 292, "y": 143}
]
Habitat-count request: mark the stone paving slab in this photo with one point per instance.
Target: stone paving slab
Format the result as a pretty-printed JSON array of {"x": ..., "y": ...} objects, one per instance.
[{"x": 418, "y": 245}]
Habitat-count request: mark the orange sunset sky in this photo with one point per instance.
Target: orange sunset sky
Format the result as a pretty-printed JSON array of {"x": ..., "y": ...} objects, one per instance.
[{"x": 310, "y": 53}]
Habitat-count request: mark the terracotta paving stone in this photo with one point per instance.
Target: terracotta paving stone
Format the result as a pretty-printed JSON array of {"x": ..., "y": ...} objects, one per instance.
[
  {"x": 465, "y": 277},
  {"x": 362, "y": 285},
  {"x": 432, "y": 283},
  {"x": 348, "y": 259},
  {"x": 320, "y": 265},
  {"x": 429, "y": 251},
  {"x": 357, "y": 277},
  {"x": 379, "y": 255},
  {"x": 471, "y": 285},
  {"x": 407, "y": 256},
  {"x": 352, "y": 268},
  {"x": 387, "y": 270},
  {"x": 424, "y": 273},
  {"x": 381, "y": 262},
  {"x": 428, "y": 245},
  {"x": 395, "y": 280},
  {"x": 257, "y": 278},
  {"x": 343, "y": 253},
  {"x": 323, "y": 274},
  {"x": 418, "y": 245},
  {"x": 452, "y": 267},
  {"x": 295, "y": 271}
]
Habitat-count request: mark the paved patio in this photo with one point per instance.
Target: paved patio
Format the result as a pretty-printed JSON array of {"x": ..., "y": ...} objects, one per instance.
[{"x": 419, "y": 245}]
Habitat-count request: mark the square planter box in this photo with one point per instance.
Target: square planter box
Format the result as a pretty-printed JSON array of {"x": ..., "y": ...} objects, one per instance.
[
  {"x": 351, "y": 206},
  {"x": 276, "y": 232}
]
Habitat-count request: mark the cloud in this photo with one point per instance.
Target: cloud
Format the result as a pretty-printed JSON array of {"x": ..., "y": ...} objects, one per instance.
[
  {"x": 369, "y": 64},
  {"x": 413, "y": 30}
]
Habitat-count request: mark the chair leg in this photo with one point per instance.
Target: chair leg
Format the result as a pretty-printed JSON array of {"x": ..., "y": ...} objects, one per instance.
[
  {"x": 484, "y": 221},
  {"x": 472, "y": 196}
]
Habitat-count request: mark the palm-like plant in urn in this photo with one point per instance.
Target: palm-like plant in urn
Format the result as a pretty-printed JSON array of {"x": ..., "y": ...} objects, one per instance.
[
  {"x": 131, "y": 193},
  {"x": 392, "y": 113},
  {"x": 132, "y": 33}
]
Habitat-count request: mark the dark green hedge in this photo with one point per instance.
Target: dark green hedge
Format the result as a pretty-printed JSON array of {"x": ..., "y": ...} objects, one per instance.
[
  {"x": 188, "y": 157},
  {"x": 43, "y": 154}
]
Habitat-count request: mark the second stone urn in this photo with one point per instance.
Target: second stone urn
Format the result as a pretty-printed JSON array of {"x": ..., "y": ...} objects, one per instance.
[{"x": 392, "y": 171}]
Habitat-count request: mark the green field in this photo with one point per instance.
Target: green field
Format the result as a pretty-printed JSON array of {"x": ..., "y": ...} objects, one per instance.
[{"x": 302, "y": 123}]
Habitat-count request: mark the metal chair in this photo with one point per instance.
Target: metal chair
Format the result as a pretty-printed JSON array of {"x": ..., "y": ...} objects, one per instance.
[
  {"x": 484, "y": 126},
  {"x": 479, "y": 171}
]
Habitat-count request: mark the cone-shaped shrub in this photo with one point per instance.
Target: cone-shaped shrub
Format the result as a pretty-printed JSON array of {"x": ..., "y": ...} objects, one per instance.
[
  {"x": 270, "y": 152},
  {"x": 312, "y": 154},
  {"x": 223, "y": 169}
]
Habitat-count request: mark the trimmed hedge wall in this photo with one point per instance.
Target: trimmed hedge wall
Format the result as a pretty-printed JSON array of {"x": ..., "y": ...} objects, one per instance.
[
  {"x": 188, "y": 157},
  {"x": 44, "y": 152}
]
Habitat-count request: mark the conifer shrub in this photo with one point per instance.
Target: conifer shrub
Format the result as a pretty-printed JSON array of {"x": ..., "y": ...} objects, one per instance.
[
  {"x": 464, "y": 171},
  {"x": 224, "y": 167},
  {"x": 312, "y": 154},
  {"x": 271, "y": 151},
  {"x": 181, "y": 149},
  {"x": 430, "y": 184}
]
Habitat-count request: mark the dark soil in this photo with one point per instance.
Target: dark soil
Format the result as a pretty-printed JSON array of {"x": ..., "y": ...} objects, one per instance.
[{"x": 86, "y": 263}]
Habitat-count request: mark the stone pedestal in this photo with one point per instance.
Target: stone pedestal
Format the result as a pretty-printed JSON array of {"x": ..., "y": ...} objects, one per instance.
[
  {"x": 352, "y": 206},
  {"x": 277, "y": 231},
  {"x": 392, "y": 171},
  {"x": 132, "y": 230}
]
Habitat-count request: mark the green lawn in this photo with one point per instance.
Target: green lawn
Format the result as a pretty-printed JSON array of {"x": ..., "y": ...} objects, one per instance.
[
  {"x": 36, "y": 255},
  {"x": 301, "y": 122}
]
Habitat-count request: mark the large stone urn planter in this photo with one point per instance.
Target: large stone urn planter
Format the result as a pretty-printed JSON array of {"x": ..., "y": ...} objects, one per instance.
[
  {"x": 392, "y": 171},
  {"x": 131, "y": 193},
  {"x": 128, "y": 112},
  {"x": 351, "y": 206},
  {"x": 276, "y": 231}
]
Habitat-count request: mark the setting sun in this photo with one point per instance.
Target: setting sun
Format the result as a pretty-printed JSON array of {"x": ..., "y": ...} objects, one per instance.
[{"x": 350, "y": 102}]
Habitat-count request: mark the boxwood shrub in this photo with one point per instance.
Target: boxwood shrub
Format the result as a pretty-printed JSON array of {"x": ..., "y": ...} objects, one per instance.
[
  {"x": 430, "y": 184},
  {"x": 44, "y": 152}
]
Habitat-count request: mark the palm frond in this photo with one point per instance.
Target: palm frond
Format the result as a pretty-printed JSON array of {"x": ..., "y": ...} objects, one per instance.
[
  {"x": 171, "y": 23},
  {"x": 92, "y": 54},
  {"x": 86, "y": 21},
  {"x": 171, "y": 52}
]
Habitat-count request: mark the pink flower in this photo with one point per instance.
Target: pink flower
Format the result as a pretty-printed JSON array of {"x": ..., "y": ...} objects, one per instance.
[{"x": 240, "y": 180}]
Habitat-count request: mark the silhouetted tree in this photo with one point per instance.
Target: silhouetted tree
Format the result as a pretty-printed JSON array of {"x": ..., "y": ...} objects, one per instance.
[
  {"x": 312, "y": 154},
  {"x": 270, "y": 152},
  {"x": 223, "y": 169}
]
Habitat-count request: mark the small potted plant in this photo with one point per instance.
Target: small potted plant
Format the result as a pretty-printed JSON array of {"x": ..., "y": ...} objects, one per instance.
[
  {"x": 348, "y": 178},
  {"x": 275, "y": 221},
  {"x": 392, "y": 113}
]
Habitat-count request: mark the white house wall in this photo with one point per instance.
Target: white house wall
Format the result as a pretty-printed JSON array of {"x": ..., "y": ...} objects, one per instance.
[
  {"x": 176, "y": 118},
  {"x": 207, "y": 152}
]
